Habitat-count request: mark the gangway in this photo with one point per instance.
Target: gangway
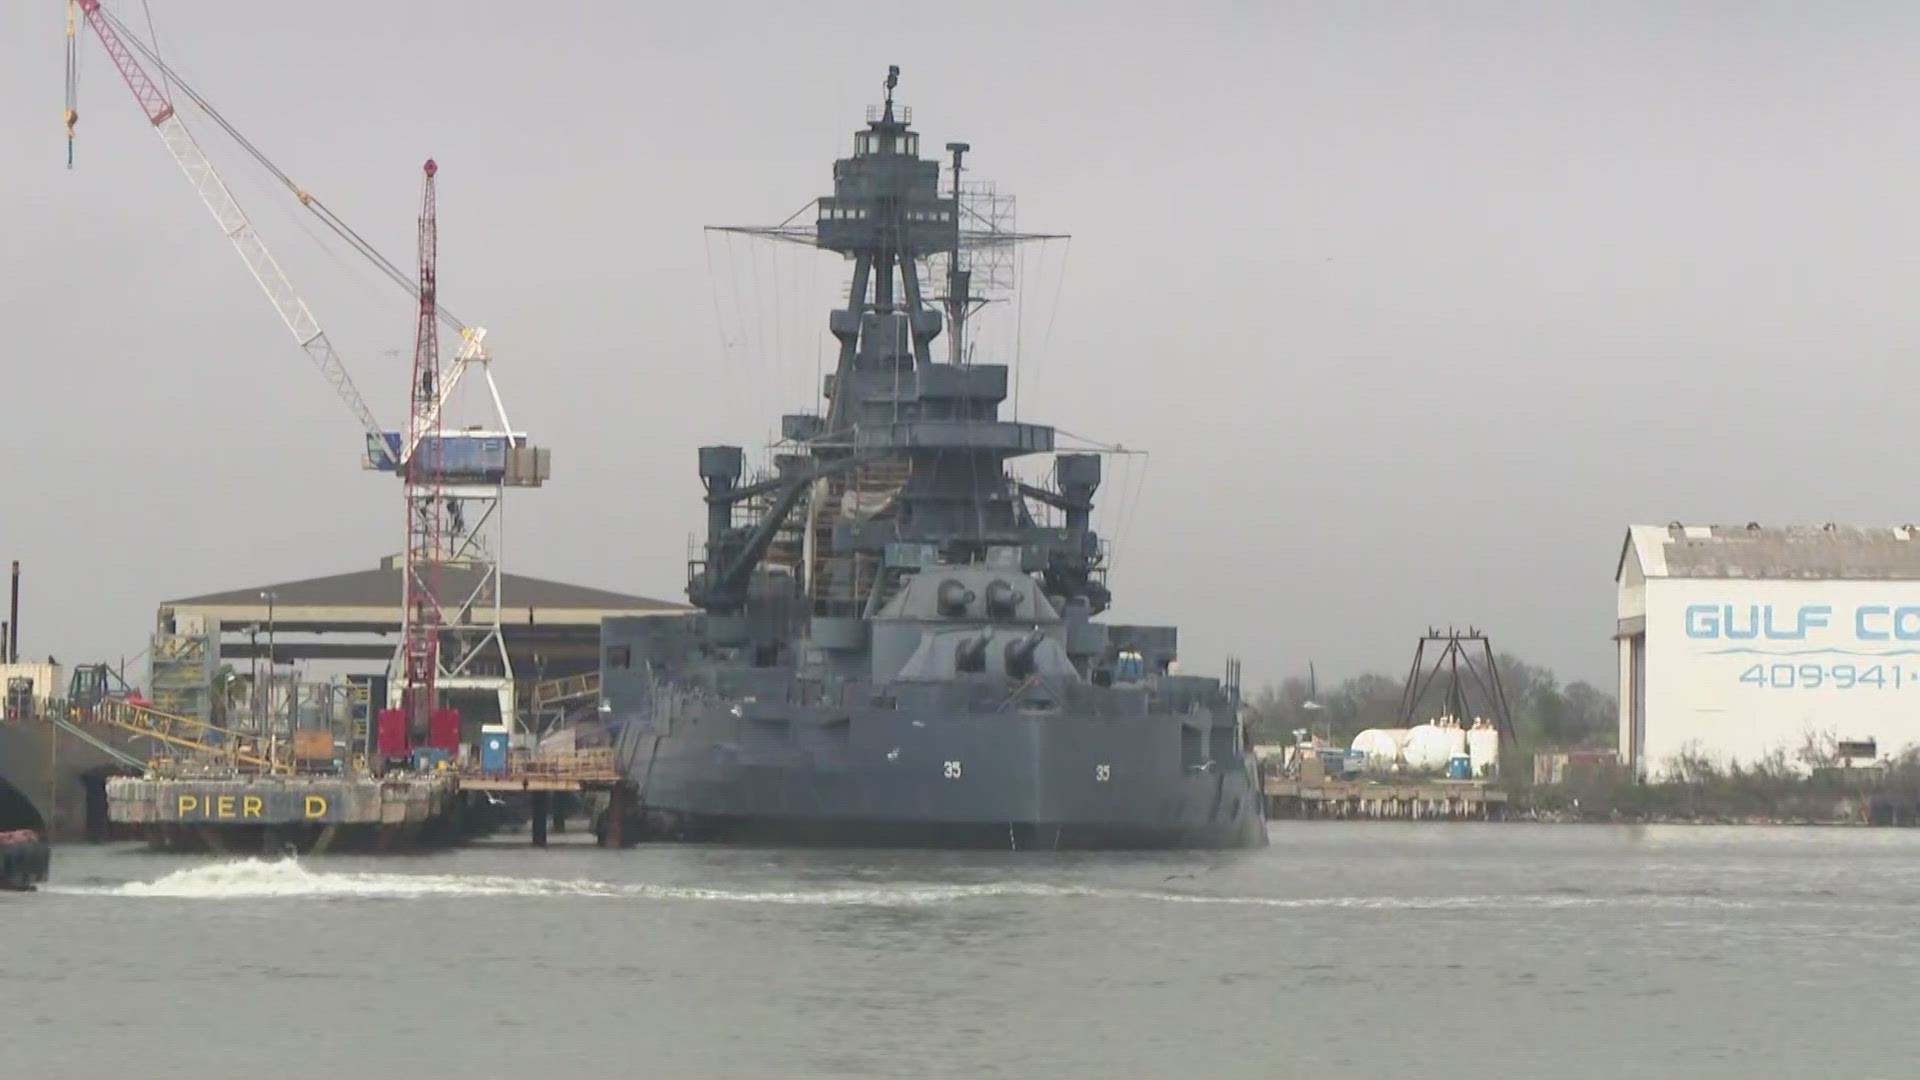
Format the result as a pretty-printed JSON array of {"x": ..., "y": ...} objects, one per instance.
[
  {"x": 565, "y": 770},
  {"x": 185, "y": 733},
  {"x": 567, "y": 690},
  {"x": 88, "y": 737}
]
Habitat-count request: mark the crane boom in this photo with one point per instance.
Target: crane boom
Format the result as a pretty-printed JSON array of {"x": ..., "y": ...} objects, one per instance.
[
  {"x": 306, "y": 198},
  {"x": 233, "y": 221},
  {"x": 473, "y": 338}
]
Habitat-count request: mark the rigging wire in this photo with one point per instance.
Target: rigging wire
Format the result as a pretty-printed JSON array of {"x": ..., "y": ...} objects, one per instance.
[
  {"x": 1096, "y": 445},
  {"x": 1115, "y": 512},
  {"x": 748, "y": 316},
  {"x": 1130, "y": 503},
  {"x": 1039, "y": 277},
  {"x": 354, "y": 271},
  {"x": 166, "y": 88},
  {"x": 811, "y": 328},
  {"x": 1059, "y": 283},
  {"x": 346, "y": 232},
  {"x": 1019, "y": 312},
  {"x": 802, "y": 301},
  {"x": 779, "y": 321},
  {"x": 713, "y": 293}
]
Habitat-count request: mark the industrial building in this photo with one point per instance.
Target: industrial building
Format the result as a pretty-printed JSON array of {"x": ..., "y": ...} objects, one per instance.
[
  {"x": 550, "y": 630},
  {"x": 1736, "y": 641}
]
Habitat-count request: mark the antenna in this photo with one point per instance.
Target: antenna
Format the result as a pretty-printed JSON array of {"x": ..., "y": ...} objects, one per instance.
[{"x": 959, "y": 282}]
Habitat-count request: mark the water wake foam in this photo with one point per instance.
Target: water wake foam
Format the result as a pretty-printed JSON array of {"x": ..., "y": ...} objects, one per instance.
[{"x": 260, "y": 879}]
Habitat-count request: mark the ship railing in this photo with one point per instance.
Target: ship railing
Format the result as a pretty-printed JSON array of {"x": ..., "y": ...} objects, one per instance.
[
  {"x": 191, "y": 735},
  {"x": 593, "y": 763},
  {"x": 560, "y": 691}
]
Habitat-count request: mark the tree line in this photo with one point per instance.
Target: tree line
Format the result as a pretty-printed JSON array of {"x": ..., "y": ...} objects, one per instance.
[{"x": 1546, "y": 714}]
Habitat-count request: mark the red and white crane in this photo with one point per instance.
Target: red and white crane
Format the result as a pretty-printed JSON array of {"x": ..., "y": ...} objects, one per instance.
[
  {"x": 426, "y": 507},
  {"x": 454, "y": 494}
]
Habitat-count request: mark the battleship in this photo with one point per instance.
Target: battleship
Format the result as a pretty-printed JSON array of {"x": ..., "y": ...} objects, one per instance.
[{"x": 896, "y": 639}]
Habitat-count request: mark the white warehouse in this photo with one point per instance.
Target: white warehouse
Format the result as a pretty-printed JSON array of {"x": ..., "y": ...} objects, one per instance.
[{"x": 1737, "y": 640}]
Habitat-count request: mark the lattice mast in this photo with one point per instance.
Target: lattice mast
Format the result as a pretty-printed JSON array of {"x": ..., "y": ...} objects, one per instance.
[{"x": 425, "y": 503}]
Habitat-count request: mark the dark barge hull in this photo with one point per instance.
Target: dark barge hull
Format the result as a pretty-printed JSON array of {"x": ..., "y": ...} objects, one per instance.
[
  {"x": 24, "y": 855},
  {"x": 23, "y": 863}
]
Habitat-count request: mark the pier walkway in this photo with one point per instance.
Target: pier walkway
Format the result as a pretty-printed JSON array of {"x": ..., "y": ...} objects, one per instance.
[
  {"x": 541, "y": 776},
  {"x": 1459, "y": 800}
]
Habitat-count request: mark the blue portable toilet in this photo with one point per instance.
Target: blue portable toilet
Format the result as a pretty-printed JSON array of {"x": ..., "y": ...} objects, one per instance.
[
  {"x": 1460, "y": 767},
  {"x": 493, "y": 749}
]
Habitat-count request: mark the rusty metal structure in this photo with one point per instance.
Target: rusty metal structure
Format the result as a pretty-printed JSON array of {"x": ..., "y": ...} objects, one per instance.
[{"x": 1462, "y": 665}]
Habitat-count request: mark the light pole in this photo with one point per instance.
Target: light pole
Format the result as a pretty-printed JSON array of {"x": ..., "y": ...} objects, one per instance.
[
  {"x": 273, "y": 673},
  {"x": 253, "y": 673}
]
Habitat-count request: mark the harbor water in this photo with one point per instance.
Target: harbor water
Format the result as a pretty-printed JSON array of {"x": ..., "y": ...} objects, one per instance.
[{"x": 1349, "y": 950}]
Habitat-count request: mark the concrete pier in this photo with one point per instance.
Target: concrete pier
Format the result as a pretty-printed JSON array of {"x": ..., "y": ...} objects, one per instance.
[
  {"x": 196, "y": 807},
  {"x": 1454, "y": 800},
  {"x": 264, "y": 813}
]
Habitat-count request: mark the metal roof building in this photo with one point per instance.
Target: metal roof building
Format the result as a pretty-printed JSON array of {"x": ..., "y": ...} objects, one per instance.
[
  {"x": 551, "y": 628},
  {"x": 368, "y": 601},
  {"x": 1737, "y": 641}
]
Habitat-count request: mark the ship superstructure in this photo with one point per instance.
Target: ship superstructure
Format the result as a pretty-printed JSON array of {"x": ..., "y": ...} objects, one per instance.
[{"x": 898, "y": 638}]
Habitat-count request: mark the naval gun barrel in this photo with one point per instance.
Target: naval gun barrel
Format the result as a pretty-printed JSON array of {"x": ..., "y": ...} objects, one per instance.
[
  {"x": 971, "y": 653},
  {"x": 1020, "y": 653},
  {"x": 1002, "y": 599},
  {"x": 954, "y": 598}
]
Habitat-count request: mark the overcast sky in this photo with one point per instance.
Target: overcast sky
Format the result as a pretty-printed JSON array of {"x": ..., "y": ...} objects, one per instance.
[{"x": 1414, "y": 312}]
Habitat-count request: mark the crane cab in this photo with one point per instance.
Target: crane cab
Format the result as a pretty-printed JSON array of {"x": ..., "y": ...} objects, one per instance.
[{"x": 473, "y": 456}]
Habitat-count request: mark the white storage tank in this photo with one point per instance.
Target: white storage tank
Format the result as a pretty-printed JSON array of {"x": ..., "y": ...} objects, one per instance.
[
  {"x": 1458, "y": 736},
  {"x": 1427, "y": 748},
  {"x": 1483, "y": 748},
  {"x": 1381, "y": 746}
]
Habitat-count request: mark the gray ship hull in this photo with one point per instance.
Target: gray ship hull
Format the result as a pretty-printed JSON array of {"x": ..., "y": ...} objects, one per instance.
[{"x": 1050, "y": 782}]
